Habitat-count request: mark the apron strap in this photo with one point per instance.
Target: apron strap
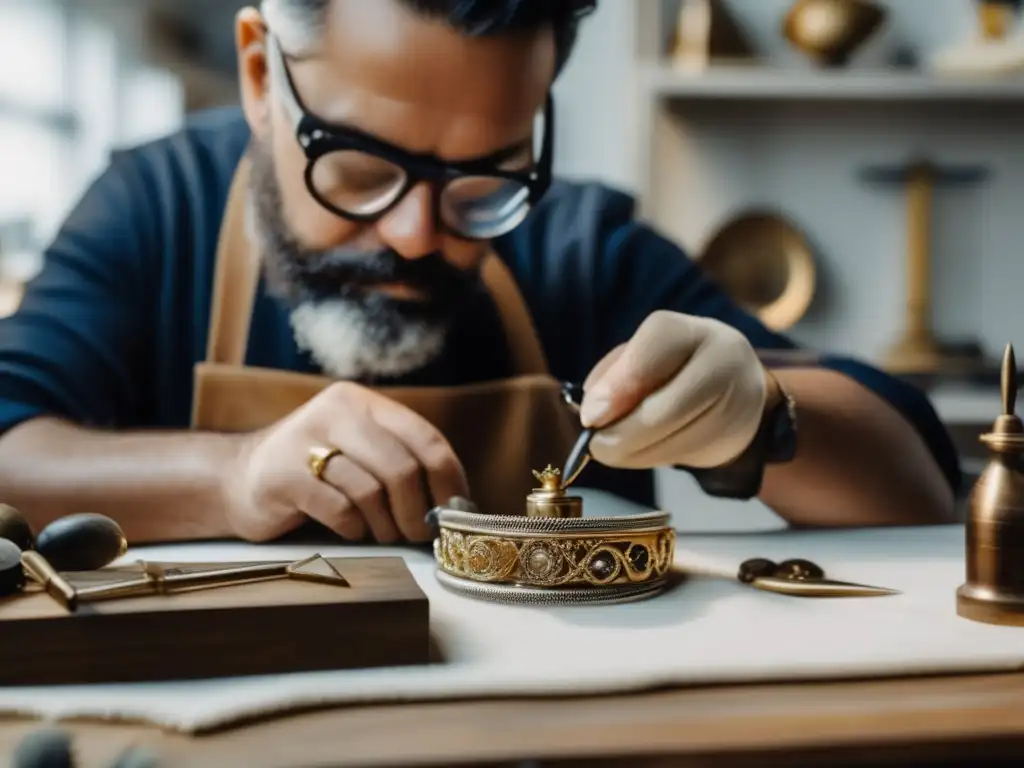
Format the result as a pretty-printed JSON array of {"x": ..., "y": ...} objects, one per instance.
[
  {"x": 236, "y": 279},
  {"x": 523, "y": 342}
]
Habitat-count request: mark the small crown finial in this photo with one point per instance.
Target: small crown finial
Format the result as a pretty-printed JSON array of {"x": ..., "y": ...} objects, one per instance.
[
  {"x": 550, "y": 479},
  {"x": 1009, "y": 381}
]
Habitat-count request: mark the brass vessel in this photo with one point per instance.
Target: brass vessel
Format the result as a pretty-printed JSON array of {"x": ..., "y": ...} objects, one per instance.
[
  {"x": 830, "y": 31},
  {"x": 765, "y": 264},
  {"x": 994, "y": 590}
]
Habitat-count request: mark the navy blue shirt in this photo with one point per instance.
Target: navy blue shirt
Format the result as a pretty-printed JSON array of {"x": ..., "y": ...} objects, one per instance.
[{"x": 108, "y": 333}]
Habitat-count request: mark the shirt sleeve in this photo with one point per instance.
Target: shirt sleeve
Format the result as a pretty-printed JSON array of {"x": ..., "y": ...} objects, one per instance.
[
  {"x": 641, "y": 272},
  {"x": 72, "y": 349}
]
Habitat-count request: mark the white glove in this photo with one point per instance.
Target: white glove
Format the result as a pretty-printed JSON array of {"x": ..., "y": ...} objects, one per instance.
[{"x": 683, "y": 391}]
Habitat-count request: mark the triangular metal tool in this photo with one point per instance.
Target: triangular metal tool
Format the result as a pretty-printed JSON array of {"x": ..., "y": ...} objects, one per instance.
[{"x": 318, "y": 569}]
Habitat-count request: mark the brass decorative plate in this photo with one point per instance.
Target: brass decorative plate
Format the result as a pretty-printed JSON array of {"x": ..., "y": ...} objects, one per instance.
[{"x": 763, "y": 262}]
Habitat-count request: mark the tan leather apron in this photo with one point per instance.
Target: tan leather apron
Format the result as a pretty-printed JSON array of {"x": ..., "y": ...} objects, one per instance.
[{"x": 500, "y": 430}]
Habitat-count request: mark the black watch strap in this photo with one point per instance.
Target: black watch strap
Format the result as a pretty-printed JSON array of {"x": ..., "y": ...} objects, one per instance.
[{"x": 774, "y": 443}]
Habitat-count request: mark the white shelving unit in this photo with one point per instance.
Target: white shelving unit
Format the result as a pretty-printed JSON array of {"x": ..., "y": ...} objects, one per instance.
[
  {"x": 786, "y": 136},
  {"x": 662, "y": 81}
]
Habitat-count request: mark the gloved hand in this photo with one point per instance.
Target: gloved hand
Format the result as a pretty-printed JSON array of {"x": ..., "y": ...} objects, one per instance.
[{"x": 684, "y": 391}]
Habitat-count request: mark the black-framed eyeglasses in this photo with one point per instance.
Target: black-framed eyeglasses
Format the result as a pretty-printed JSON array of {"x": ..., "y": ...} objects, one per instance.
[{"x": 361, "y": 178}]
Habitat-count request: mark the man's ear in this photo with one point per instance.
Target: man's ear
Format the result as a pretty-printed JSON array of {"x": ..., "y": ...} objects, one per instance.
[{"x": 253, "y": 77}]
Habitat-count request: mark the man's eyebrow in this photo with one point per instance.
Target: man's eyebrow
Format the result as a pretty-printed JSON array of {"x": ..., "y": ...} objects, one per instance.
[
  {"x": 505, "y": 153},
  {"x": 494, "y": 158}
]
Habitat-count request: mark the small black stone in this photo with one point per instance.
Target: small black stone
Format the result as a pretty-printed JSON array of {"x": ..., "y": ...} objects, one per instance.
[
  {"x": 14, "y": 527},
  {"x": 49, "y": 748},
  {"x": 602, "y": 566},
  {"x": 84, "y": 542},
  {"x": 756, "y": 568},
  {"x": 639, "y": 557},
  {"x": 12, "y": 575}
]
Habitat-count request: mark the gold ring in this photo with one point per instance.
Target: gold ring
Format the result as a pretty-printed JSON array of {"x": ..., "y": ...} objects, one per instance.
[{"x": 318, "y": 458}]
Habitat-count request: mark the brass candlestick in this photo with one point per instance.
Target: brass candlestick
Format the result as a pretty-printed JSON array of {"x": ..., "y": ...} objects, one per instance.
[
  {"x": 994, "y": 590},
  {"x": 995, "y": 19},
  {"x": 918, "y": 351}
]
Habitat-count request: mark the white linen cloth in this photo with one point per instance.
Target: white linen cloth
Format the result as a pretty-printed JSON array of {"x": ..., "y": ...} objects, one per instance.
[{"x": 709, "y": 630}]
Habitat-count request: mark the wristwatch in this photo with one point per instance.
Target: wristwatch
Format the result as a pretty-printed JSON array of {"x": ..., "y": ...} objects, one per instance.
[{"x": 774, "y": 443}]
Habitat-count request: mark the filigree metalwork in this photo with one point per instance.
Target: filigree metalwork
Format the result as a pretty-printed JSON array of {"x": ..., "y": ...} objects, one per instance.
[{"x": 555, "y": 561}]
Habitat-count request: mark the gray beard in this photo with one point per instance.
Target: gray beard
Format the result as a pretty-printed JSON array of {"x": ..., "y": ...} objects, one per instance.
[
  {"x": 348, "y": 338},
  {"x": 345, "y": 342}
]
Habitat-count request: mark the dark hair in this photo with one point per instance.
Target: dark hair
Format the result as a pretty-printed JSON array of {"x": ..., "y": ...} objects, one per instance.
[{"x": 477, "y": 18}]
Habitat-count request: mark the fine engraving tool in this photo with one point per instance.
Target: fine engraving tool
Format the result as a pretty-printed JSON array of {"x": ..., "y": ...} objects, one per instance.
[{"x": 579, "y": 457}]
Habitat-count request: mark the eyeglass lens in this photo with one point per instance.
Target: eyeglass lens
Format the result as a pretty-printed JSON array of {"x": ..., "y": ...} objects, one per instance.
[{"x": 361, "y": 184}]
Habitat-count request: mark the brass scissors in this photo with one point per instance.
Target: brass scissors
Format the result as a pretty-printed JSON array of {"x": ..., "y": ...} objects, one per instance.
[{"x": 801, "y": 578}]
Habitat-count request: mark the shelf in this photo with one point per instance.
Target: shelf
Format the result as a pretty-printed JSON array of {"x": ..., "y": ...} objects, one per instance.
[
  {"x": 754, "y": 83},
  {"x": 962, "y": 404}
]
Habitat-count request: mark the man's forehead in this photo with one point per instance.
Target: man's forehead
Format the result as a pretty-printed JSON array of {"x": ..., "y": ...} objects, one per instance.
[{"x": 417, "y": 82}]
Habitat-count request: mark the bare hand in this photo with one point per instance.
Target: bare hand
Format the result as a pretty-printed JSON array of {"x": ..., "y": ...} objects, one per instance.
[{"x": 394, "y": 466}]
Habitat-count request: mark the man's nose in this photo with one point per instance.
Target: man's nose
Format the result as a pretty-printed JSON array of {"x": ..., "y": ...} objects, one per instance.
[{"x": 410, "y": 228}]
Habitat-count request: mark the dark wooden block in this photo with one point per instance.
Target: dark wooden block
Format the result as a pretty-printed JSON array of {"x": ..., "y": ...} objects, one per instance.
[{"x": 267, "y": 627}]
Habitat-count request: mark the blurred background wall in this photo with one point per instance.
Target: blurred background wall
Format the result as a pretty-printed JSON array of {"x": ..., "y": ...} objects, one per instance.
[{"x": 698, "y": 144}]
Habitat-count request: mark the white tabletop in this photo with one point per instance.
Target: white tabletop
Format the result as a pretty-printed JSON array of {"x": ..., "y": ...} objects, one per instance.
[{"x": 709, "y": 629}]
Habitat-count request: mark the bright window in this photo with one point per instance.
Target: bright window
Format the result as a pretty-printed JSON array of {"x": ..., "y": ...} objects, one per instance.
[{"x": 70, "y": 92}]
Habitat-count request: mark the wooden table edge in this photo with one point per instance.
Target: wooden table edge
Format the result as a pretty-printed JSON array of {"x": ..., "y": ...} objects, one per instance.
[{"x": 954, "y": 712}]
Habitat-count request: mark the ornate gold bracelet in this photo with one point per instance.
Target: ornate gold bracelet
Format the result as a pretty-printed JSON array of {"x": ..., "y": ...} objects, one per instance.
[{"x": 548, "y": 559}]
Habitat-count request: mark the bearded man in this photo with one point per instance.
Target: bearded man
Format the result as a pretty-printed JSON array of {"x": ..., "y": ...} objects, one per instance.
[{"x": 356, "y": 296}]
